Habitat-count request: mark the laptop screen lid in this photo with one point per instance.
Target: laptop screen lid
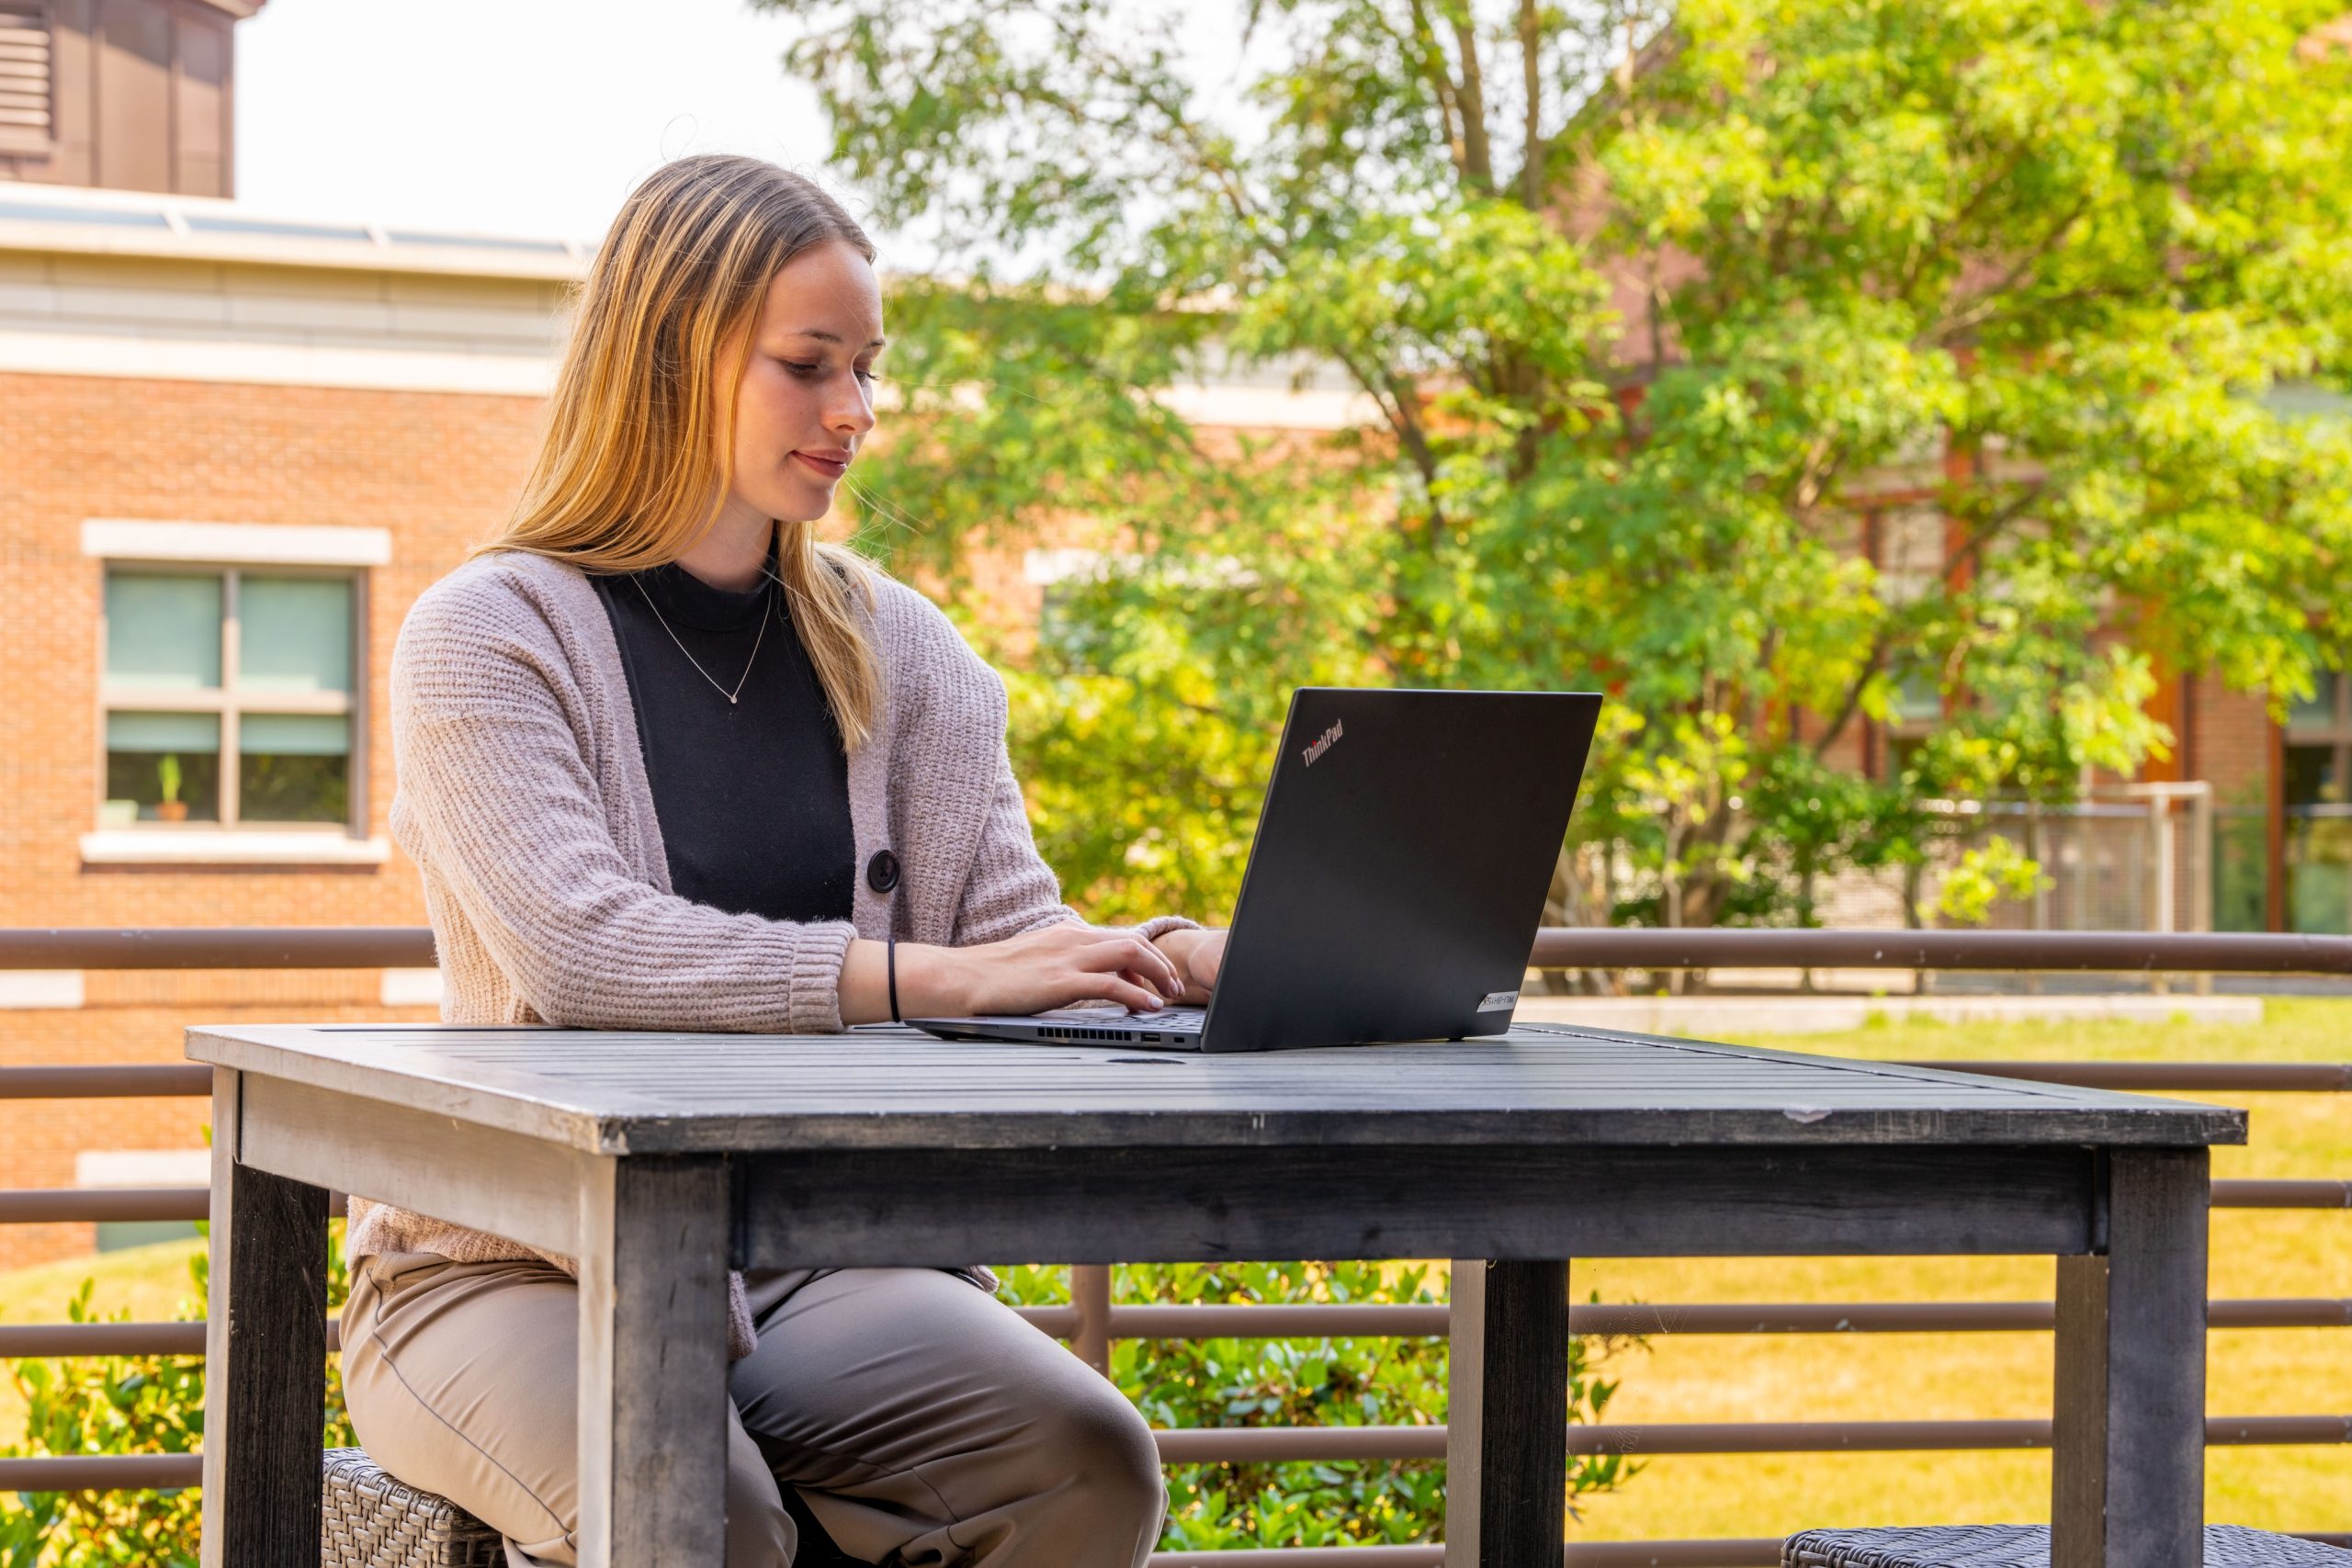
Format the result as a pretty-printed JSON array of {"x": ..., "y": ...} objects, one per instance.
[{"x": 1400, "y": 867}]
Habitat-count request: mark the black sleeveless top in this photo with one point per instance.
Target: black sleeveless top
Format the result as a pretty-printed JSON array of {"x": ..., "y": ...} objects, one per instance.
[{"x": 752, "y": 797}]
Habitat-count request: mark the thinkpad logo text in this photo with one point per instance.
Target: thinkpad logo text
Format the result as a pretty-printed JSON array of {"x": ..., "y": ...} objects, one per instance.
[{"x": 1324, "y": 744}]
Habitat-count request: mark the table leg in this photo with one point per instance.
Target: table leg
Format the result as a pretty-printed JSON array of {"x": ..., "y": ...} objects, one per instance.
[
  {"x": 2128, "y": 1473},
  {"x": 1507, "y": 1416},
  {"x": 653, "y": 1263},
  {"x": 265, "y": 1358}
]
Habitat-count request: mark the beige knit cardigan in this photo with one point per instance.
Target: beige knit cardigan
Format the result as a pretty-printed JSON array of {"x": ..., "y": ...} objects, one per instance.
[{"x": 522, "y": 796}]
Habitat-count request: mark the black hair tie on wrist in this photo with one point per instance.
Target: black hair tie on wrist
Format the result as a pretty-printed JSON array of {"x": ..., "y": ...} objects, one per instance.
[{"x": 891, "y": 958}]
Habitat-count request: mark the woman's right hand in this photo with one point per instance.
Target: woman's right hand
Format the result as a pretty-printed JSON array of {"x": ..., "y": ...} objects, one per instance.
[{"x": 1057, "y": 966}]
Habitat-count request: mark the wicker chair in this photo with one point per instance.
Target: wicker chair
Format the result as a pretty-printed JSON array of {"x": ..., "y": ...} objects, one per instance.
[
  {"x": 2028, "y": 1546},
  {"x": 374, "y": 1521}
]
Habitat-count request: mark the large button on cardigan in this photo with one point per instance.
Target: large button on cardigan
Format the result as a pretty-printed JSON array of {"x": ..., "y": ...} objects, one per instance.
[{"x": 522, "y": 796}]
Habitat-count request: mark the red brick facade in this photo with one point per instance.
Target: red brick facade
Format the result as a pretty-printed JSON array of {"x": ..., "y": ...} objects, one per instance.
[{"x": 435, "y": 469}]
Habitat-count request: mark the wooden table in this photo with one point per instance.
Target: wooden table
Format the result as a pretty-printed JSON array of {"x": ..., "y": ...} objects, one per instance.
[{"x": 660, "y": 1160}]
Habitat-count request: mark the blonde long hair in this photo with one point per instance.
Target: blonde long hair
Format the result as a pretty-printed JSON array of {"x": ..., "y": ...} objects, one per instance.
[{"x": 637, "y": 455}]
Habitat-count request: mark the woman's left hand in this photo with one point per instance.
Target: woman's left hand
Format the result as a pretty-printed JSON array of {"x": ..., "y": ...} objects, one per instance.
[{"x": 1198, "y": 955}]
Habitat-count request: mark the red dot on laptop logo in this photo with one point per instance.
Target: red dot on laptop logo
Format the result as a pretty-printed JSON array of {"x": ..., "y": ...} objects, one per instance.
[{"x": 1324, "y": 744}]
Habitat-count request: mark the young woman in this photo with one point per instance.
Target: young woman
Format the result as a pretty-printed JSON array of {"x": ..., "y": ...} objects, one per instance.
[{"x": 667, "y": 762}]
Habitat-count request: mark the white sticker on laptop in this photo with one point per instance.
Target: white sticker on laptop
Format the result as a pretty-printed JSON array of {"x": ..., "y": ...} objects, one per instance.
[{"x": 1499, "y": 1001}]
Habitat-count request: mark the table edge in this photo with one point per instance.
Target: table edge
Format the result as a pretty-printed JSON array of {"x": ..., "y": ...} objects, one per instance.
[{"x": 2118, "y": 1121}]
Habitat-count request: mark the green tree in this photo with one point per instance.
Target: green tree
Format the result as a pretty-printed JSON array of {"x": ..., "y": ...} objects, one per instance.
[{"x": 1643, "y": 309}]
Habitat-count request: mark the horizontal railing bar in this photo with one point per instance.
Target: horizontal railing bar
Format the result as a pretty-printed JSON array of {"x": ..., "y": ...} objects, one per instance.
[
  {"x": 1910, "y": 1317},
  {"x": 25, "y": 1339},
  {"x": 1712, "y": 947},
  {"x": 2282, "y": 1195},
  {"x": 55, "y": 1205},
  {"x": 1555, "y": 947},
  {"x": 1374, "y": 1322},
  {"x": 217, "y": 947},
  {"x": 121, "y": 1080},
  {"x": 1270, "y": 1445},
  {"x": 101, "y": 1472},
  {"x": 2274, "y": 1077},
  {"x": 61, "y": 1205},
  {"x": 21, "y": 1340},
  {"x": 1273, "y": 1445}
]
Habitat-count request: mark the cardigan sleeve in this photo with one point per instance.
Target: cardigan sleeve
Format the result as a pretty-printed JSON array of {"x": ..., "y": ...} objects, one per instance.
[{"x": 502, "y": 806}]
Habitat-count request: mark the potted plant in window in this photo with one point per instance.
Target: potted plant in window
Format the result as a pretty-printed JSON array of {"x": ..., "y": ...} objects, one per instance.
[{"x": 171, "y": 808}]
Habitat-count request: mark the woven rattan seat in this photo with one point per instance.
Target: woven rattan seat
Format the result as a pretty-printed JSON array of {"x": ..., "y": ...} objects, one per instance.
[
  {"x": 374, "y": 1521},
  {"x": 2028, "y": 1546}
]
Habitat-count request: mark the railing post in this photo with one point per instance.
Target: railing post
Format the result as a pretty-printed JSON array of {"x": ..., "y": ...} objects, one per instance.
[
  {"x": 1090, "y": 1292},
  {"x": 2167, "y": 890}
]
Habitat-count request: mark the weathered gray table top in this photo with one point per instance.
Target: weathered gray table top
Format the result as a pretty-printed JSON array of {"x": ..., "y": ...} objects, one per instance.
[{"x": 641, "y": 1092}]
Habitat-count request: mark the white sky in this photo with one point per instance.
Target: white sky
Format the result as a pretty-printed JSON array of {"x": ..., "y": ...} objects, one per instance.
[
  {"x": 530, "y": 117},
  {"x": 506, "y": 116}
]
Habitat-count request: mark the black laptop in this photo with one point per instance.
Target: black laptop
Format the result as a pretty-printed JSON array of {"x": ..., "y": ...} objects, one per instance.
[{"x": 1396, "y": 882}]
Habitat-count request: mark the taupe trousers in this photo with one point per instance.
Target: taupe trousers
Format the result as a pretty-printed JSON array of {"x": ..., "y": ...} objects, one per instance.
[{"x": 922, "y": 1421}]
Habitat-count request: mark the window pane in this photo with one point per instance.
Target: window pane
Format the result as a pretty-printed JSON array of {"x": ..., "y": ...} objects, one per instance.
[
  {"x": 1920, "y": 699},
  {"x": 163, "y": 767},
  {"x": 294, "y": 767},
  {"x": 163, "y": 629},
  {"x": 2311, "y": 776},
  {"x": 294, "y": 633},
  {"x": 2316, "y": 712}
]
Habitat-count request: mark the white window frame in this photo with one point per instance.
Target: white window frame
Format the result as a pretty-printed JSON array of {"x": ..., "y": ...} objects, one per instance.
[{"x": 234, "y": 550}]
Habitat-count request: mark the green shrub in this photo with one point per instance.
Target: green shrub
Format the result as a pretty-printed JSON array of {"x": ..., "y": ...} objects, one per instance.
[
  {"x": 1326, "y": 1381},
  {"x": 127, "y": 1405}
]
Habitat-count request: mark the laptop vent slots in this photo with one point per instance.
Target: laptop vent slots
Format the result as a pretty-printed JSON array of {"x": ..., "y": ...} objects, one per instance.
[{"x": 1053, "y": 1032}]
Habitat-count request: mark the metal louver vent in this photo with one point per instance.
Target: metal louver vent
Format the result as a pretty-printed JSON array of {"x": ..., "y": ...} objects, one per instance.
[{"x": 23, "y": 67}]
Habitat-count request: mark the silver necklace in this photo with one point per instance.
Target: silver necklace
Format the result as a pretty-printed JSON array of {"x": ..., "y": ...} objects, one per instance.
[{"x": 715, "y": 686}]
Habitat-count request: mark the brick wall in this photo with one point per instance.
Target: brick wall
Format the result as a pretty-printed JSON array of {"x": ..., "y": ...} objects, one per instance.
[
  {"x": 2232, "y": 742},
  {"x": 435, "y": 469}
]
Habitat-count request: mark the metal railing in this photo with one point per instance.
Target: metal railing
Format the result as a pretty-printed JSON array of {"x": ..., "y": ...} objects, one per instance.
[{"x": 1091, "y": 1322}]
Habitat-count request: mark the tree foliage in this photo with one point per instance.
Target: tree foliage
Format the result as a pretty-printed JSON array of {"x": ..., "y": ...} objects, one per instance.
[{"x": 1664, "y": 330}]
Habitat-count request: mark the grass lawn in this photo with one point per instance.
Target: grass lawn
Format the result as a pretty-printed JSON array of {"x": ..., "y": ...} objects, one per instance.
[
  {"x": 1926, "y": 1377},
  {"x": 1871, "y": 1377}
]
